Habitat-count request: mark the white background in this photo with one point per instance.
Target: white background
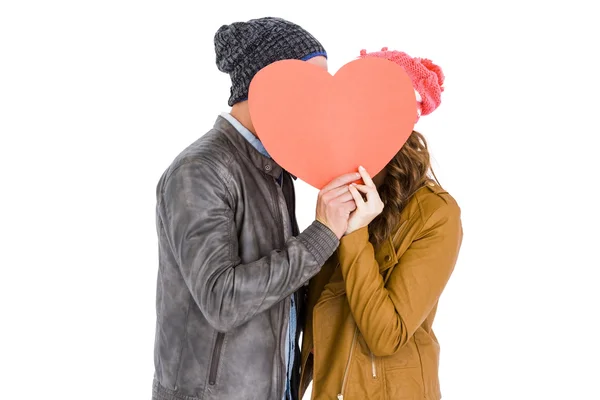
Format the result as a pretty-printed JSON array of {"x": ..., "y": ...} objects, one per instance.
[{"x": 97, "y": 98}]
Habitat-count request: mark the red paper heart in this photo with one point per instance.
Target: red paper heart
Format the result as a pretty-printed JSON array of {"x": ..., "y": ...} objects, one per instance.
[{"x": 318, "y": 126}]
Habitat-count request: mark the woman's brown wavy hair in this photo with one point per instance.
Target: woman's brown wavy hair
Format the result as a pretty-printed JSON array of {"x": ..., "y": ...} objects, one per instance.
[{"x": 408, "y": 171}]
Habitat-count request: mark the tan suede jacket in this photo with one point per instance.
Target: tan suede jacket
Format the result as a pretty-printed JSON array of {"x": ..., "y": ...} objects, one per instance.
[{"x": 370, "y": 311}]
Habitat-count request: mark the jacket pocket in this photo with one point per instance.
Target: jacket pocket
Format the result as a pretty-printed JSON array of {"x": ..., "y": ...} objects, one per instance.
[
  {"x": 216, "y": 357},
  {"x": 160, "y": 392},
  {"x": 406, "y": 357},
  {"x": 404, "y": 384}
]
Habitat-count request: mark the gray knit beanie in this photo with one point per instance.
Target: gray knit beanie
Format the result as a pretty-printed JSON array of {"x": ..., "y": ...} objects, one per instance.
[{"x": 244, "y": 48}]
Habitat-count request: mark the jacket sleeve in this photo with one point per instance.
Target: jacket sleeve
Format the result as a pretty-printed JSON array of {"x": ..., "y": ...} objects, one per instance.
[
  {"x": 197, "y": 214},
  {"x": 388, "y": 316}
]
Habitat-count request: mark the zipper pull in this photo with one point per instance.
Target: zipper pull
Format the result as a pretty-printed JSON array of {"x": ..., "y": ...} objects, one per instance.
[{"x": 373, "y": 367}]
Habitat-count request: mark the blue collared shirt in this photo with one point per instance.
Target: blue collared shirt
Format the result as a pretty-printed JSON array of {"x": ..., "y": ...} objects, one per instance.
[
  {"x": 290, "y": 343},
  {"x": 249, "y": 136}
]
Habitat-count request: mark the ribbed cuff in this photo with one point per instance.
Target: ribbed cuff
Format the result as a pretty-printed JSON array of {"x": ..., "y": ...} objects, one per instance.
[{"x": 320, "y": 241}]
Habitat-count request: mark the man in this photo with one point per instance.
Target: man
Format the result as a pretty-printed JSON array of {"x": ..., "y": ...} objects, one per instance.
[{"x": 232, "y": 262}]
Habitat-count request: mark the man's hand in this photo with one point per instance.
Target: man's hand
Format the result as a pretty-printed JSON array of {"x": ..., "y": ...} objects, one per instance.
[
  {"x": 335, "y": 203},
  {"x": 366, "y": 211}
]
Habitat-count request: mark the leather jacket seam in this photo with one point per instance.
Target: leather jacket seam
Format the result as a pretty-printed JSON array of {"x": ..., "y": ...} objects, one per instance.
[{"x": 214, "y": 168}]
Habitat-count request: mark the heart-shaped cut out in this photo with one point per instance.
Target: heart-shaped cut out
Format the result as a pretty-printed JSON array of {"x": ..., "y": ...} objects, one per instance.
[{"x": 318, "y": 126}]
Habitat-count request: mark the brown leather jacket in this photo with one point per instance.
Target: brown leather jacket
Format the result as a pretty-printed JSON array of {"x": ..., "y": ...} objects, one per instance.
[{"x": 369, "y": 311}]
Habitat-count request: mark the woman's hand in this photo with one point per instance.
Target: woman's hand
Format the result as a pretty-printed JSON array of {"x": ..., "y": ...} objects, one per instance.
[{"x": 366, "y": 211}]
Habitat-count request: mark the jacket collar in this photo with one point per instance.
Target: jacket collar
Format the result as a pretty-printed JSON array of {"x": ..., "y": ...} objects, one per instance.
[
  {"x": 265, "y": 164},
  {"x": 245, "y": 132}
]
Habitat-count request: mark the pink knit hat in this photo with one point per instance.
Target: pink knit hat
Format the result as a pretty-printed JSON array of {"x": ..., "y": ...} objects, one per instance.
[{"x": 427, "y": 78}]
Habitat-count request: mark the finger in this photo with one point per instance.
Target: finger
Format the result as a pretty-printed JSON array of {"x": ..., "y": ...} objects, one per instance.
[
  {"x": 341, "y": 181},
  {"x": 336, "y": 192},
  {"x": 365, "y": 176},
  {"x": 344, "y": 197},
  {"x": 369, "y": 191},
  {"x": 363, "y": 188},
  {"x": 349, "y": 206},
  {"x": 356, "y": 195}
]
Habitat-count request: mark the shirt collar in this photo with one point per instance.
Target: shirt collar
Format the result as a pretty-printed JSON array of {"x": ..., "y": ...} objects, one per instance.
[{"x": 253, "y": 140}]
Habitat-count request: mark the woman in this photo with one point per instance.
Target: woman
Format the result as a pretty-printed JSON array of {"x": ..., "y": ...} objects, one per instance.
[{"x": 370, "y": 310}]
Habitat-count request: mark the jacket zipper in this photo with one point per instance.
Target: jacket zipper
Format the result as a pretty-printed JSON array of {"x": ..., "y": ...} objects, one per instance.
[
  {"x": 344, "y": 380},
  {"x": 216, "y": 357},
  {"x": 373, "y": 367},
  {"x": 275, "y": 194},
  {"x": 283, "y": 211}
]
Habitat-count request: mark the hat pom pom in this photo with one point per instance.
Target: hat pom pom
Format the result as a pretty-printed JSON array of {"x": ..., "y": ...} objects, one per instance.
[{"x": 436, "y": 69}]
